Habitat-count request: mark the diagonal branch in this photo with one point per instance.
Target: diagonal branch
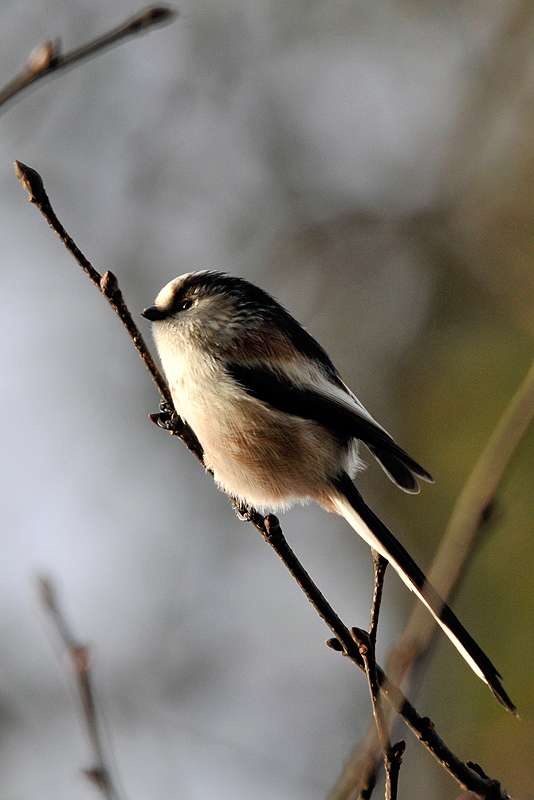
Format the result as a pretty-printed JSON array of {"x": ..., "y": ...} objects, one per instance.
[
  {"x": 109, "y": 287},
  {"x": 46, "y": 58},
  {"x": 80, "y": 659},
  {"x": 268, "y": 526},
  {"x": 345, "y": 643},
  {"x": 469, "y": 513}
]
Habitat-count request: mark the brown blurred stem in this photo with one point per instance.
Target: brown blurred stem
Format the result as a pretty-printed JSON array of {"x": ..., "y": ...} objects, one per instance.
[
  {"x": 268, "y": 526},
  {"x": 46, "y": 58},
  {"x": 447, "y": 569},
  {"x": 80, "y": 659}
]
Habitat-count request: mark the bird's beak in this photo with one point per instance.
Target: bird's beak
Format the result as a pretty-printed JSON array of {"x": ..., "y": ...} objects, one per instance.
[{"x": 153, "y": 313}]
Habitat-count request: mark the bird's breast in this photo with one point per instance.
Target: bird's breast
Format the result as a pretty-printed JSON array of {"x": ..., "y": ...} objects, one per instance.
[{"x": 262, "y": 456}]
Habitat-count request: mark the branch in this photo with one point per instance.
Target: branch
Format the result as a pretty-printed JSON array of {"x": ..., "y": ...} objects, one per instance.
[
  {"x": 392, "y": 755},
  {"x": 469, "y": 513},
  {"x": 475, "y": 501},
  {"x": 109, "y": 287},
  {"x": 344, "y": 642},
  {"x": 380, "y": 565},
  {"x": 46, "y": 58},
  {"x": 80, "y": 659},
  {"x": 268, "y": 526}
]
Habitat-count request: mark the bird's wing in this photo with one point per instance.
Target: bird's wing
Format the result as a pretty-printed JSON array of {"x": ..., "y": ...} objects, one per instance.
[{"x": 336, "y": 408}]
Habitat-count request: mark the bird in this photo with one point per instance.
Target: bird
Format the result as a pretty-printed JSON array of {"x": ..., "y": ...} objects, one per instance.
[{"x": 278, "y": 425}]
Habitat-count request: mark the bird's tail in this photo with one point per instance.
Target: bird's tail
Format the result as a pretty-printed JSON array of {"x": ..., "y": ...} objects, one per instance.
[{"x": 349, "y": 503}]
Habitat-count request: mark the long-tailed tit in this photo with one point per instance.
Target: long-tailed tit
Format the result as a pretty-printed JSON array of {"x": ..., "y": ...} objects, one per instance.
[{"x": 277, "y": 423}]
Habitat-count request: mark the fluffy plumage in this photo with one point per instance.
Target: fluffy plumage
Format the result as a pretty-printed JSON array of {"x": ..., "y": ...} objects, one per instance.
[{"x": 277, "y": 423}]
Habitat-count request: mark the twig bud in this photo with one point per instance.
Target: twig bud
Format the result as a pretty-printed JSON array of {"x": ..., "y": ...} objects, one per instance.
[
  {"x": 334, "y": 644},
  {"x": 109, "y": 284},
  {"x": 44, "y": 56},
  {"x": 30, "y": 180},
  {"x": 362, "y": 639},
  {"x": 153, "y": 15},
  {"x": 272, "y": 523}
]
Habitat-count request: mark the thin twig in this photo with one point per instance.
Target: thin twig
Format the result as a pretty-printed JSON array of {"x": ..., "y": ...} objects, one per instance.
[
  {"x": 393, "y": 764},
  {"x": 269, "y": 526},
  {"x": 367, "y": 652},
  {"x": 46, "y": 58},
  {"x": 392, "y": 755},
  {"x": 344, "y": 642},
  {"x": 380, "y": 565},
  {"x": 80, "y": 658},
  {"x": 468, "y": 515},
  {"x": 109, "y": 287}
]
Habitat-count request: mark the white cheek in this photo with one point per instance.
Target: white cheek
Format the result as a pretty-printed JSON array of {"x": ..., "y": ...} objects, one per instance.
[
  {"x": 170, "y": 342},
  {"x": 171, "y": 351},
  {"x": 191, "y": 374}
]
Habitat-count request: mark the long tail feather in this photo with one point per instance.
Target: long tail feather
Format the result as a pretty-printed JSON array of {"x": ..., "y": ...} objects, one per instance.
[{"x": 350, "y": 504}]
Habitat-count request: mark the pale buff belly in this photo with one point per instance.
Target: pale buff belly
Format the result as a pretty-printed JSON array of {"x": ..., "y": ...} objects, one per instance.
[{"x": 261, "y": 456}]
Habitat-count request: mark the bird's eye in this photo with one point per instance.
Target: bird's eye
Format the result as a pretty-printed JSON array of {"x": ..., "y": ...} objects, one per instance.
[{"x": 184, "y": 305}]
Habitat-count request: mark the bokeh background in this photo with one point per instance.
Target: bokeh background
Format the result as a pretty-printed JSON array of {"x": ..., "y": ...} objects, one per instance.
[{"x": 372, "y": 165}]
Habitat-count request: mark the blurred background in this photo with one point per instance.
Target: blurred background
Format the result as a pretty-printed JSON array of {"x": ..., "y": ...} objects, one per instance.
[{"x": 372, "y": 165}]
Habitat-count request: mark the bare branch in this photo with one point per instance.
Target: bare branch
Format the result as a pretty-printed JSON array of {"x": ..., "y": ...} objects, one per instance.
[
  {"x": 367, "y": 652},
  {"x": 380, "y": 565},
  {"x": 423, "y": 727},
  {"x": 393, "y": 764},
  {"x": 80, "y": 658},
  {"x": 476, "y": 498},
  {"x": 269, "y": 526},
  {"x": 109, "y": 287},
  {"x": 46, "y": 58},
  {"x": 392, "y": 755},
  {"x": 469, "y": 514}
]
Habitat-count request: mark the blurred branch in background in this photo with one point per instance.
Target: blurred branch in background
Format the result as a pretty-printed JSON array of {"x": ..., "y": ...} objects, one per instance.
[
  {"x": 80, "y": 658},
  {"x": 47, "y": 58},
  {"x": 457, "y": 545}
]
